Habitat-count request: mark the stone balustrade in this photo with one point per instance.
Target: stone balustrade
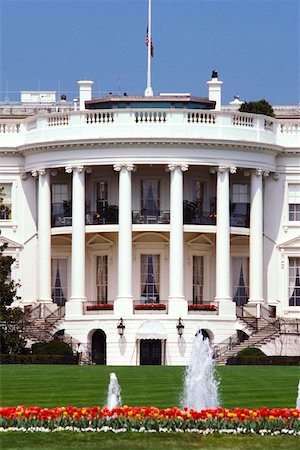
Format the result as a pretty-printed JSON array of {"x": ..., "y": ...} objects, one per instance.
[{"x": 150, "y": 123}]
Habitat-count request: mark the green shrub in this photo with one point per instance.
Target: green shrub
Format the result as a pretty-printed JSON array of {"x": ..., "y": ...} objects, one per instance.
[
  {"x": 54, "y": 347},
  {"x": 251, "y": 351},
  {"x": 37, "y": 359}
]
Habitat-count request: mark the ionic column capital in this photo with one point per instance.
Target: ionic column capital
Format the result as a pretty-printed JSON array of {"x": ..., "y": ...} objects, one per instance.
[
  {"x": 79, "y": 169},
  {"x": 171, "y": 167},
  {"x": 223, "y": 169},
  {"x": 68, "y": 169},
  {"x": 258, "y": 172},
  {"x": 118, "y": 167},
  {"x": 24, "y": 176},
  {"x": 38, "y": 172},
  {"x": 232, "y": 169},
  {"x": 266, "y": 173}
]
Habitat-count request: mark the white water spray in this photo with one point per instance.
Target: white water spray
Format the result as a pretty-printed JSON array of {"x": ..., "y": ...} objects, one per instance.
[
  {"x": 200, "y": 385},
  {"x": 298, "y": 398},
  {"x": 114, "y": 392}
]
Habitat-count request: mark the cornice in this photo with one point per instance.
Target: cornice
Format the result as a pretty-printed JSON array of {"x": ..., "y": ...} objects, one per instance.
[{"x": 199, "y": 143}]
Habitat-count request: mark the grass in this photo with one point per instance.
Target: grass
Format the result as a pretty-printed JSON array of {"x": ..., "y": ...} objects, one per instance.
[
  {"x": 129, "y": 441},
  {"x": 243, "y": 386}
]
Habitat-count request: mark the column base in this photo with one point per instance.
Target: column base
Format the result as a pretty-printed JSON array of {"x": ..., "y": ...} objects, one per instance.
[
  {"x": 177, "y": 306},
  {"x": 123, "y": 307},
  {"x": 227, "y": 309},
  {"x": 253, "y": 307}
]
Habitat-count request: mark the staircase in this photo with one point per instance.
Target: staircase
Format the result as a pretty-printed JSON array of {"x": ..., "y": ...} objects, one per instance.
[
  {"x": 260, "y": 330},
  {"x": 41, "y": 323}
]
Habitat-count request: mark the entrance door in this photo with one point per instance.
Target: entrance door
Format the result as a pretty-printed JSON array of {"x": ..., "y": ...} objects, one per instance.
[
  {"x": 150, "y": 352},
  {"x": 99, "y": 348}
]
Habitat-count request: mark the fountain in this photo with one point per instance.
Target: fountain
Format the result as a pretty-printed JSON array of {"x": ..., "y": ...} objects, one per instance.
[
  {"x": 200, "y": 385},
  {"x": 298, "y": 398},
  {"x": 114, "y": 392}
]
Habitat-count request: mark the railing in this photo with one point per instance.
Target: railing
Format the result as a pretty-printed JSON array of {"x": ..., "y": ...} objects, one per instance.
[
  {"x": 108, "y": 216},
  {"x": 59, "y": 120},
  {"x": 151, "y": 116},
  {"x": 251, "y": 320},
  {"x": 100, "y": 117},
  {"x": 57, "y": 313},
  {"x": 126, "y": 123},
  {"x": 141, "y": 217},
  {"x": 201, "y": 117},
  {"x": 10, "y": 127}
]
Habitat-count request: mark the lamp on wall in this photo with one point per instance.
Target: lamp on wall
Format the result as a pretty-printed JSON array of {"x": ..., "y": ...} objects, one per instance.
[
  {"x": 180, "y": 327},
  {"x": 121, "y": 327}
]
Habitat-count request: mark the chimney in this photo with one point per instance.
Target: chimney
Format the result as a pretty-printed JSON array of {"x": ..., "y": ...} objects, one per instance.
[
  {"x": 214, "y": 90},
  {"x": 85, "y": 92}
]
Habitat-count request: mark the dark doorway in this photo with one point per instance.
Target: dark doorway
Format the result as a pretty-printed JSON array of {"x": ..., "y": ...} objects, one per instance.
[
  {"x": 99, "y": 348},
  {"x": 150, "y": 352}
]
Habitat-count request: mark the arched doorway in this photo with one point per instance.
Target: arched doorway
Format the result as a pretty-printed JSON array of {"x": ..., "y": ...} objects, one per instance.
[{"x": 99, "y": 348}]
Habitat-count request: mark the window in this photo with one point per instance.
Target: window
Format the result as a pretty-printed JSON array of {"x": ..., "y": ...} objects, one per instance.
[
  {"x": 294, "y": 202},
  {"x": 240, "y": 280},
  {"x": 101, "y": 279},
  {"x": 198, "y": 279},
  {"x": 240, "y": 204},
  {"x": 150, "y": 268},
  {"x": 5, "y": 201},
  {"x": 294, "y": 281},
  {"x": 150, "y": 197},
  {"x": 198, "y": 194},
  {"x": 101, "y": 195},
  {"x": 59, "y": 280},
  {"x": 61, "y": 204}
]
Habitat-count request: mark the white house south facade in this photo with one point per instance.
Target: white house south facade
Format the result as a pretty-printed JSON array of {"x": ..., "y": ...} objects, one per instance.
[{"x": 135, "y": 221}]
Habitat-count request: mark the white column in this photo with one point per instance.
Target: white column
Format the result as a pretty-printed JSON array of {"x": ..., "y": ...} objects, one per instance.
[
  {"x": 223, "y": 282},
  {"x": 256, "y": 238},
  {"x": 124, "y": 303},
  {"x": 44, "y": 235},
  {"x": 74, "y": 306},
  {"x": 177, "y": 301}
]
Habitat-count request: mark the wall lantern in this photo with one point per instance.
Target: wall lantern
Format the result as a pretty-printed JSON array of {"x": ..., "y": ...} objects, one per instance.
[
  {"x": 180, "y": 327},
  {"x": 121, "y": 327}
]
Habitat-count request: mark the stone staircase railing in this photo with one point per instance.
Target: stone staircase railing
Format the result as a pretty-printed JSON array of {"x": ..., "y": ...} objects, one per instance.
[
  {"x": 42, "y": 321},
  {"x": 261, "y": 330}
]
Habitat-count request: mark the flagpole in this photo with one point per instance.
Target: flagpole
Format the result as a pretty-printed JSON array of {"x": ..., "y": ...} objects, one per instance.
[{"x": 149, "y": 91}]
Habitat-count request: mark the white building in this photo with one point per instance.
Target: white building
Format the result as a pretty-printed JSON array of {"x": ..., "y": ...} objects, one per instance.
[{"x": 115, "y": 205}]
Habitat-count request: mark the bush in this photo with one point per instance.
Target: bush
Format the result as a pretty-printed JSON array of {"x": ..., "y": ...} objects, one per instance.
[
  {"x": 251, "y": 351},
  {"x": 270, "y": 360},
  {"x": 54, "y": 347},
  {"x": 37, "y": 359}
]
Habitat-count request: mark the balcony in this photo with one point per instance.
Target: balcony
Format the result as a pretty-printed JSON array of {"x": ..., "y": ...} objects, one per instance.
[
  {"x": 192, "y": 215},
  {"x": 239, "y": 215},
  {"x": 107, "y": 216},
  {"x": 142, "y": 217}
]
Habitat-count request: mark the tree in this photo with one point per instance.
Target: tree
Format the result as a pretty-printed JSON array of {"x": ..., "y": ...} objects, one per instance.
[
  {"x": 11, "y": 319},
  {"x": 258, "y": 107}
]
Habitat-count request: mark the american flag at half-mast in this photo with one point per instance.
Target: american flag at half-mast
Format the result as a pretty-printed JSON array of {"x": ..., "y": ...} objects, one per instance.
[{"x": 147, "y": 43}]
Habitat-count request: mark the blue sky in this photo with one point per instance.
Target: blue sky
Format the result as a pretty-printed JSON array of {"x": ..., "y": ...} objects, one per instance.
[{"x": 51, "y": 44}]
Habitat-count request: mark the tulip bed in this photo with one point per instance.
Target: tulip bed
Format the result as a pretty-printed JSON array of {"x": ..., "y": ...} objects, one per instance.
[{"x": 263, "y": 421}]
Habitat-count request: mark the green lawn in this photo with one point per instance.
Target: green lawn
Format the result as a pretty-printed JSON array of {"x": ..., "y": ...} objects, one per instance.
[{"x": 243, "y": 386}]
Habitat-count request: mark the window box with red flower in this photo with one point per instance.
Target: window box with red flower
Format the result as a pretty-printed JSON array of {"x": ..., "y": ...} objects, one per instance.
[
  {"x": 150, "y": 307},
  {"x": 100, "y": 307},
  {"x": 204, "y": 308}
]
